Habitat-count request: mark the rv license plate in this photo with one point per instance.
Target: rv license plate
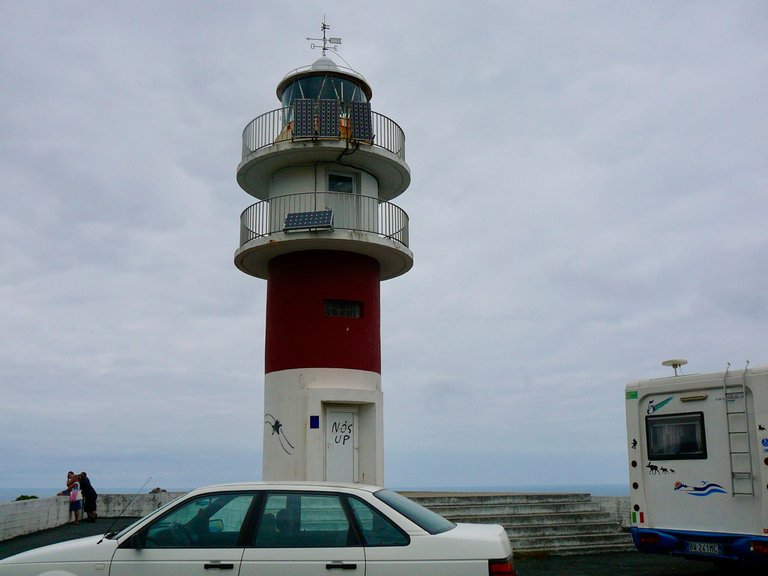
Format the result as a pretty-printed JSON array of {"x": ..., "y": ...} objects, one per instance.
[{"x": 703, "y": 548}]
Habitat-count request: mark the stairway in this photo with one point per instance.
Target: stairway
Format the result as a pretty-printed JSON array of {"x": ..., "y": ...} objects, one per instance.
[{"x": 558, "y": 524}]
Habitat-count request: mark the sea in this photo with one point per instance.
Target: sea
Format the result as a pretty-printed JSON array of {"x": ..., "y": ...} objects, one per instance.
[{"x": 11, "y": 494}]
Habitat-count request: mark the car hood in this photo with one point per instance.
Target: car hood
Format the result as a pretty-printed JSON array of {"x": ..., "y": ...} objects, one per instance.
[{"x": 81, "y": 550}]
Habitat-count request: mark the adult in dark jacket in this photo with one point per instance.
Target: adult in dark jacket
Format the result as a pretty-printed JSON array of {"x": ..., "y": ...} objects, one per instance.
[{"x": 89, "y": 497}]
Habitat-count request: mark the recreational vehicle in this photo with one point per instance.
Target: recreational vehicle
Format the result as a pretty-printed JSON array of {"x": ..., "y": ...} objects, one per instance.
[{"x": 698, "y": 464}]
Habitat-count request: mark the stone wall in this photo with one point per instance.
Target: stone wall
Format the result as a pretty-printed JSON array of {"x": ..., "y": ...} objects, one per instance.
[{"x": 29, "y": 516}]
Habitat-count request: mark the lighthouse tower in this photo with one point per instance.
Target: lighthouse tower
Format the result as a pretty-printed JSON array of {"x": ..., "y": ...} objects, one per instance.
[{"x": 324, "y": 167}]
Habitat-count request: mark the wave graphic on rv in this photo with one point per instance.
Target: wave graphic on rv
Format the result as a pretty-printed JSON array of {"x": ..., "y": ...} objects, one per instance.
[{"x": 705, "y": 490}]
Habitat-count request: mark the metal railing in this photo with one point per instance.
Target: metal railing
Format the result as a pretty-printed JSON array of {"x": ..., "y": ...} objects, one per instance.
[
  {"x": 350, "y": 212},
  {"x": 276, "y": 126}
]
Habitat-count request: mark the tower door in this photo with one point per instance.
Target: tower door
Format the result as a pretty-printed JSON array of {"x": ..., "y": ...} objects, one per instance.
[
  {"x": 350, "y": 209},
  {"x": 341, "y": 445}
]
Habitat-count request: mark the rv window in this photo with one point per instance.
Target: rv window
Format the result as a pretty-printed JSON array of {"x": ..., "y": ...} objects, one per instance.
[{"x": 676, "y": 436}]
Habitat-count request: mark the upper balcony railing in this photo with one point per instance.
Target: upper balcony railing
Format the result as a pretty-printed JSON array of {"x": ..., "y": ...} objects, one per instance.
[
  {"x": 350, "y": 212},
  {"x": 278, "y": 125}
]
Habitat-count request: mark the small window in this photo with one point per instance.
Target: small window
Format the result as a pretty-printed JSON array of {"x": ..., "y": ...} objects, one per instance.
[
  {"x": 376, "y": 528},
  {"x": 428, "y": 520},
  {"x": 676, "y": 437},
  {"x": 343, "y": 308},
  {"x": 341, "y": 183}
]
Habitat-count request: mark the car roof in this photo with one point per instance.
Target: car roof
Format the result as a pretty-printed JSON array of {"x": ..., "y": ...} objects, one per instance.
[{"x": 289, "y": 485}]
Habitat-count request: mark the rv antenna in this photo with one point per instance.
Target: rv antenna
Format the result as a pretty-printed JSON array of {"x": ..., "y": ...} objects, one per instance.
[
  {"x": 675, "y": 363},
  {"x": 324, "y": 47}
]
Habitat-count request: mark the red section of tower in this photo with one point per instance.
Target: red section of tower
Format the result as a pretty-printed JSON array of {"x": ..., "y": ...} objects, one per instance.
[{"x": 302, "y": 290}]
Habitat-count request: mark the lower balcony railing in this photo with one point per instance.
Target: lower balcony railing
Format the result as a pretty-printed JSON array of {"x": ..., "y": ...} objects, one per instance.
[{"x": 350, "y": 212}]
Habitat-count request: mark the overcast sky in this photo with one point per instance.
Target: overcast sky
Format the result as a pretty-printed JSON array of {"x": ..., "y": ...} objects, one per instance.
[{"x": 588, "y": 198}]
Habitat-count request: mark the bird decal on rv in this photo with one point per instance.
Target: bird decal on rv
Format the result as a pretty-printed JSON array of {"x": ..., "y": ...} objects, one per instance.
[{"x": 652, "y": 407}]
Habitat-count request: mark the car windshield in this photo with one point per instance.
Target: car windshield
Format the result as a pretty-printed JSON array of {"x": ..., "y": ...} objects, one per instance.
[
  {"x": 111, "y": 535},
  {"x": 122, "y": 532},
  {"x": 426, "y": 519}
]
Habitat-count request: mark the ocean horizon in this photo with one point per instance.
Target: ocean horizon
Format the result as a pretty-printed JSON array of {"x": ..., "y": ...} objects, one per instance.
[{"x": 10, "y": 494}]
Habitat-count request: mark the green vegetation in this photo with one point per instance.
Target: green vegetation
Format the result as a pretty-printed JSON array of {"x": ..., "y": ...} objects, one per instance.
[{"x": 25, "y": 497}]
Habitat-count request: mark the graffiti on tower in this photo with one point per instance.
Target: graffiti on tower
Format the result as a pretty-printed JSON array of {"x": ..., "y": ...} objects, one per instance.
[{"x": 277, "y": 430}]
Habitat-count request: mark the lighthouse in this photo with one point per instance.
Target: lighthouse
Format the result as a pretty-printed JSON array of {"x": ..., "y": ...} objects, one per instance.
[{"x": 324, "y": 168}]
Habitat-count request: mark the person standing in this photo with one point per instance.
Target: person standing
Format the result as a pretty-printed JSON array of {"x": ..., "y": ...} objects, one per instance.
[
  {"x": 89, "y": 497},
  {"x": 75, "y": 496}
]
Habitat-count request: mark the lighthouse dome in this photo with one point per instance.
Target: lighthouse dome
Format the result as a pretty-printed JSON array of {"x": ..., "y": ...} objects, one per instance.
[{"x": 324, "y": 63}]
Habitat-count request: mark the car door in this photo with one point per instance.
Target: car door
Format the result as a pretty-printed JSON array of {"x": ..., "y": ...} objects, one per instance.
[
  {"x": 387, "y": 545},
  {"x": 199, "y": 536},
  {"x": 303, "y": 534}
]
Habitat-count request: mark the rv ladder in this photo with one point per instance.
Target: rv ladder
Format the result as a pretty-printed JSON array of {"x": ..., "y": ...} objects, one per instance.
[{"x": 737, "y": 422}]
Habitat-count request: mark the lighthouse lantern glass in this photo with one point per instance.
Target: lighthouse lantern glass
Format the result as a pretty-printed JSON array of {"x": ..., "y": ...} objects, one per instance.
[{"x": 323, "y": 86}]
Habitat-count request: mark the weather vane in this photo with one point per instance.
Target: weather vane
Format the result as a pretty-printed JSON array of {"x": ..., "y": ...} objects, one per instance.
[{"x": 335, "y": 42}]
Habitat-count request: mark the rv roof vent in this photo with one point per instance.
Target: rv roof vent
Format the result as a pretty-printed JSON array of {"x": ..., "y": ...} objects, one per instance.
[{"x": 675, "y": 363}]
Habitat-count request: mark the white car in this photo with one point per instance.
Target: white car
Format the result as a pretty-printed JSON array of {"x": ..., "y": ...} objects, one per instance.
[{"x": 285, "y": 529}]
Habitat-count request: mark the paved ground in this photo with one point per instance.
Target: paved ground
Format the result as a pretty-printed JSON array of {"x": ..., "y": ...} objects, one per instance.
[
  {"x": 619, "y": 564},
  {"x": 60, "y": 534}
]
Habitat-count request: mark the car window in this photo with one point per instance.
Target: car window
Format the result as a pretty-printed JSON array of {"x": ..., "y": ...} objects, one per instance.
[
  {"x": 377, "y": 529},
  {"x": 297, "y": 520},
  {"x": 129, "y": 528},
  {"x": 428, "y": 520},
  {"x": 211, "y": 521}
]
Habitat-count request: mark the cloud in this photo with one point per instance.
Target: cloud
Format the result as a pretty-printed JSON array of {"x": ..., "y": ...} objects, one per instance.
[{"x": 587, "y": 180}]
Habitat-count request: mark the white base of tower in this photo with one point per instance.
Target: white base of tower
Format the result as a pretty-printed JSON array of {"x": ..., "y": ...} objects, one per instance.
[{"x": 323, "y": 424}]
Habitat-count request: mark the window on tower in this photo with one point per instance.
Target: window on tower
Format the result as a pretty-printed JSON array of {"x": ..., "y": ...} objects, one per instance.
[
  {"x": 341, "y": 183},
  {"x": 343, "y": 308}
]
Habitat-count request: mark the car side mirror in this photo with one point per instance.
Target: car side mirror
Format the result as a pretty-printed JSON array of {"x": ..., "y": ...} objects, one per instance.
[
  {"x": 215, "y": 526},
  {"x": 137, "y": 541}
]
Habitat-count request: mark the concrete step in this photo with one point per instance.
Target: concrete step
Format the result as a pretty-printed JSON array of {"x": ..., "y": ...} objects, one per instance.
[
  {"x": 554, "y": 529},
  {"x": 588, "y": 518},
  {"x": 480, "y": 509},
  {"x": 574, "y": 544},
  {"x": 561, "y": 549},
  {"x": 490, "y": 498},
  {"x": 513, "y": 519}
]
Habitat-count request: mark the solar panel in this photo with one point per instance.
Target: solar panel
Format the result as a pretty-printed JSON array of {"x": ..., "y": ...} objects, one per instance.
[
  {"x": 328, "y": 113},
  {"x": 302, "y": 221},
  {"x": 360, "y": 115},
  {"x": 316, "y": 118},
  {"x": 304, "y": 118}
]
